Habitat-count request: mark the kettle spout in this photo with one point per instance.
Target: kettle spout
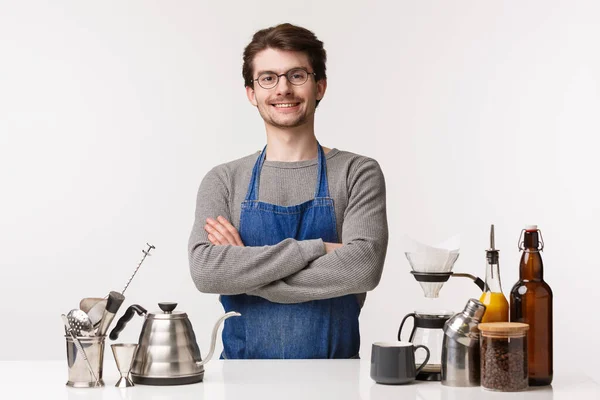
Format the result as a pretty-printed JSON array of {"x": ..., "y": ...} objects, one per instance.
[{"x": 214, "y": 336}]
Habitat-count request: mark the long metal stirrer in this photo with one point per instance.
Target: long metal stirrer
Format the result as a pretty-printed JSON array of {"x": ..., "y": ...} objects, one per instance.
[{"x": 146, "y": 253}]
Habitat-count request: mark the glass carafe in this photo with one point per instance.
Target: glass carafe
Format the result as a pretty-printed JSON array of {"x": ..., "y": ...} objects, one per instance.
[{"x": 428, "y": 330}]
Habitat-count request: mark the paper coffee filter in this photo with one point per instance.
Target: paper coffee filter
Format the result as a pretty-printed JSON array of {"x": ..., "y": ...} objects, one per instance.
[
  {"x": 451, "y": 244},
  {"x": 425, "y": 258},
  {"x": 428, "y": 262}
]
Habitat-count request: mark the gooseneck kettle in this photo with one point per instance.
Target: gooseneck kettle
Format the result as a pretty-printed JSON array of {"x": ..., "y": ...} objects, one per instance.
[{"x": 167, "y": 353}]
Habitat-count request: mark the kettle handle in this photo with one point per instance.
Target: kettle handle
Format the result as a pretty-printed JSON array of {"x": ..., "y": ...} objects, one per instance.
[{"x": 129, "y": 313}]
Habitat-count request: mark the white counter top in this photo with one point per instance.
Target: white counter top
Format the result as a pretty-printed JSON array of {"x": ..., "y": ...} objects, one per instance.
[{"x": 267, "y": 379}]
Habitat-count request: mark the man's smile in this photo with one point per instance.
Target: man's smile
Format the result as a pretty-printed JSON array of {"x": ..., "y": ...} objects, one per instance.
[{"x": 285, "y": 105}]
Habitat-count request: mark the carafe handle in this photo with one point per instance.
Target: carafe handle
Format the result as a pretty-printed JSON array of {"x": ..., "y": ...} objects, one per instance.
[
  {"x": 402, "y": 324},
  {"x": 424, "y": 363},
  {"x": 129, "y": 313}
]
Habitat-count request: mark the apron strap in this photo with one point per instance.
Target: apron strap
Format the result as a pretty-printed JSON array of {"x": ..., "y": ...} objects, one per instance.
[
  {"x": 322, "y": 189},
  {"x": 322, "y": 186},
  {"x": 252, "y": 194}
]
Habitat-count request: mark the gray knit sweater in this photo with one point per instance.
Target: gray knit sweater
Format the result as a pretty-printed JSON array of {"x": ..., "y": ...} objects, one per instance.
[{"x": 294, "y": 271}]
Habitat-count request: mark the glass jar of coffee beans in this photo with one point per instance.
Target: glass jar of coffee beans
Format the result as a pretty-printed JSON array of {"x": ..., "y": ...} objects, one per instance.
[{"x": 503, "y": 351}]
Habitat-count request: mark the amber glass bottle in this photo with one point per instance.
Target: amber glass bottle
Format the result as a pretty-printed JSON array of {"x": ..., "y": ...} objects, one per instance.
[{"x": 531, "y": 303}]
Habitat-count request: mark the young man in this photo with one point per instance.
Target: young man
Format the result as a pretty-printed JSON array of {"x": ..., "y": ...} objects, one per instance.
[{"x": 291, "y": 237}]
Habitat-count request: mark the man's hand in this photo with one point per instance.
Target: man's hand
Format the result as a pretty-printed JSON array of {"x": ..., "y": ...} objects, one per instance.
[
  {"x": 221, "y": 232},
  {"x": 331, "y": 247}
]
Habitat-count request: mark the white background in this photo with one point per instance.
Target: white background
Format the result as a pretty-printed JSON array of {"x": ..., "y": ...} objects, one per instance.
[{"x": 111, "y": 113}]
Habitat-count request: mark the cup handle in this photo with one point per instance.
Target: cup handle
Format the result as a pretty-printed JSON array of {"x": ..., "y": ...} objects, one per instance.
[
  {"x": 402, "y": 324},
  {"x": 426, "y": 358}
]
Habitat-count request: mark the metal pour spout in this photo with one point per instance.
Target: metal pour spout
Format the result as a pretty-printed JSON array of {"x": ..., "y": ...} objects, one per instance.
[
  {"x": 213, "y": 340},
  {"x": 492, "y": 253}
]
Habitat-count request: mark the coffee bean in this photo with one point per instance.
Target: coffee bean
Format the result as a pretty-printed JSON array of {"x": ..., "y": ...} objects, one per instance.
[{"x": 504, "y": 363}]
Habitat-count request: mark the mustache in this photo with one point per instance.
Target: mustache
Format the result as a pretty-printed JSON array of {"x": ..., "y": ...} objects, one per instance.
[{"x": 285, "y": 99}]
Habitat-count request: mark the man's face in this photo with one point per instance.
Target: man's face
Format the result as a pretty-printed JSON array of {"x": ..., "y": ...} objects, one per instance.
[{"x": 285, "y": 105}]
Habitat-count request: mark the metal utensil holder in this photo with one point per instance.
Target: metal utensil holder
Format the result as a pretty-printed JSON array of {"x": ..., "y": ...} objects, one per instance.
[{"x": 79, "y": 373}]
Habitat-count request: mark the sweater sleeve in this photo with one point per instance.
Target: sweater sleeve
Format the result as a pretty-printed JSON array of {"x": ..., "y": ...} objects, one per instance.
[
  {"x": 234, "y": 269},
  {"x": 354, "y": 268}
]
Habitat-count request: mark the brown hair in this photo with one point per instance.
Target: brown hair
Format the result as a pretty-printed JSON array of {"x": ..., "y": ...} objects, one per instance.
[{"x": 285, "y": 37}]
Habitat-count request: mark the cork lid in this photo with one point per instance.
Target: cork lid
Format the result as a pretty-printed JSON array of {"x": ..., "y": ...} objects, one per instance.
[{"x": 503, "y": 328}]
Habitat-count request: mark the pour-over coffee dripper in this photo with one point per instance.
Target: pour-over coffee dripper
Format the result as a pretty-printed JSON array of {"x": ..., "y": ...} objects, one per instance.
[{"x": 434, "y": 267}]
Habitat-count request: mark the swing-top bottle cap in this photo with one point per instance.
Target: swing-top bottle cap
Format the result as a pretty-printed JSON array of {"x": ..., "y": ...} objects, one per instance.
[{"x": 531, "y": 228}]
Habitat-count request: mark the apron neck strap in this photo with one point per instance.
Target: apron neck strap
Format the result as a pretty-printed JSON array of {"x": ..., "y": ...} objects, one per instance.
[
  {"x": 252, "y": 194},
  {"x": 322, "y": 187}
]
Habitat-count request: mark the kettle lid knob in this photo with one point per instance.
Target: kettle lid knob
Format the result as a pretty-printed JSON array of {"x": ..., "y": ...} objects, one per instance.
[{"x": 167, "y": 307}]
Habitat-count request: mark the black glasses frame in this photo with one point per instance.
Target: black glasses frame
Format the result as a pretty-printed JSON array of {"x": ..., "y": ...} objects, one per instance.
[{"x": 257, "y": 80}]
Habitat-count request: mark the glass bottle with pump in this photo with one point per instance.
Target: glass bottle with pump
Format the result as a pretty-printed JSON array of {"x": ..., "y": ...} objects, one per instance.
[
  {"x": 492, "y": 297},
  {"x": 531, "y": 303}
]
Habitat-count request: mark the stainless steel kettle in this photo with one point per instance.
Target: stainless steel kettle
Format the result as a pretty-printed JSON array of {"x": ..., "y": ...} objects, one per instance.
[{"x": 167, "y": 353}]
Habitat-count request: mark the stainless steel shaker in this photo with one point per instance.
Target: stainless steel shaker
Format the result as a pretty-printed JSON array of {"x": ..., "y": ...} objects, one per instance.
[{"x": 460, "y": 347}]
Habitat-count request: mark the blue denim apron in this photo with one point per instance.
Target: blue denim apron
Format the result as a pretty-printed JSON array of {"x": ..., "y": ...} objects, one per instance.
[{"x": 313, "y": 329}]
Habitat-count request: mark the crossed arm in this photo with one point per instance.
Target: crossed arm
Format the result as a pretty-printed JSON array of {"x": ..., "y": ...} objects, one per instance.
[
  {"x": 292, "y": 271},
  {"x": 222, "y": 233}
]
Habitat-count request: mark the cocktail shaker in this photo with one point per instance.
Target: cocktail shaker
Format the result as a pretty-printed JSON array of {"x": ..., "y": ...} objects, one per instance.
[{"x": 460, "y": 347}]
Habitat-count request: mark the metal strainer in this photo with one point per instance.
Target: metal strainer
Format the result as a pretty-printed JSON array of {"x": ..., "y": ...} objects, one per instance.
[{"x": 80, "y": 323}]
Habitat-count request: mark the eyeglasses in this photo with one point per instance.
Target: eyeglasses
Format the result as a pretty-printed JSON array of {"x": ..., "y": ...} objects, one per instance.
[{"x": 296, "y": 76}]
